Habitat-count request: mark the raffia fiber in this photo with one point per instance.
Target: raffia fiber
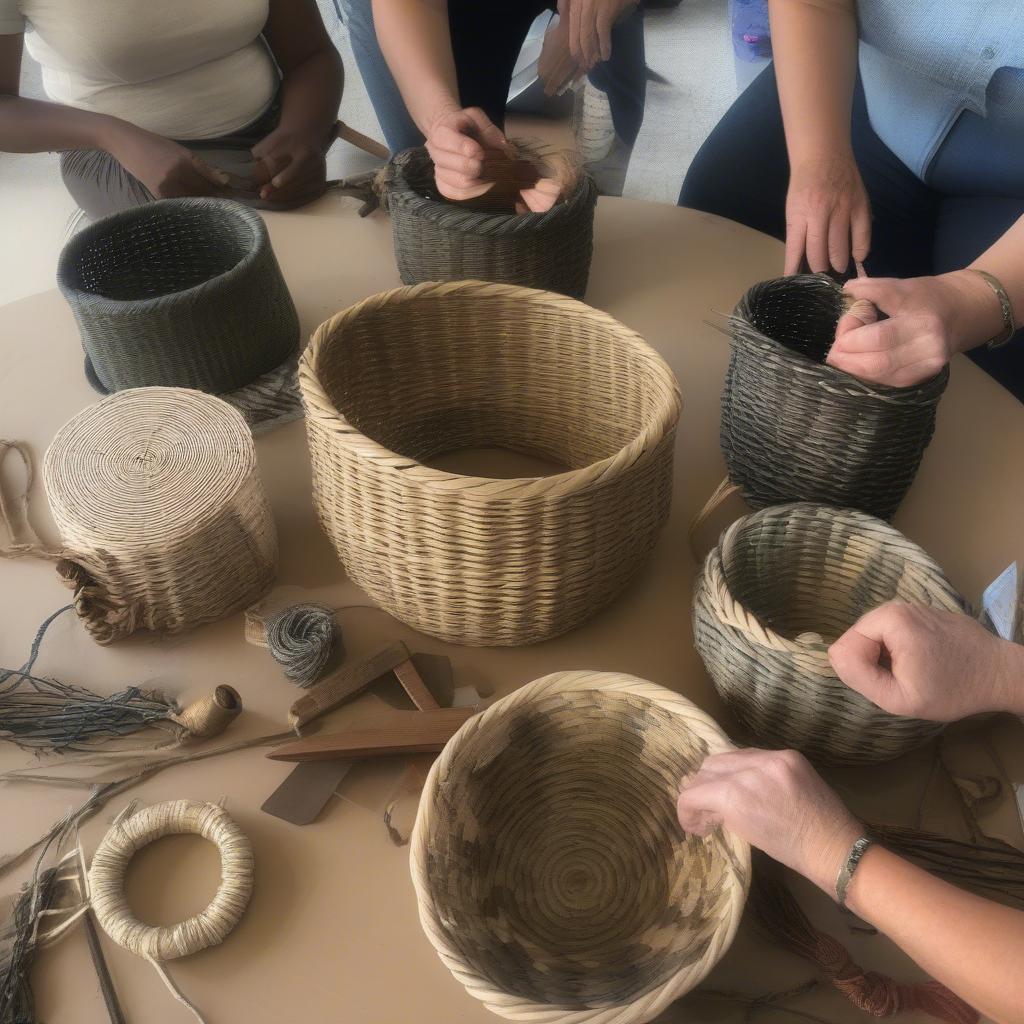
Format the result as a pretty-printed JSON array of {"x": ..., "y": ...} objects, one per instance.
[
  {"x": 796, "y": 429},
  {"x": 436, "y": 240},
  {"x": 779, "y": 588},
  {"x": 413, "y": 373},
  {"x": 157, "y": 498},
  {"x": 551, "y": 873}
]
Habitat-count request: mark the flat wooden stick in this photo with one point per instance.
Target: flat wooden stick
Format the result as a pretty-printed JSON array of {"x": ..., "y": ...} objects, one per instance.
[
  {"x": 412, "y": 683},
  {"x": 361, "y": 141},
  {"x": 401, "y": 732}
]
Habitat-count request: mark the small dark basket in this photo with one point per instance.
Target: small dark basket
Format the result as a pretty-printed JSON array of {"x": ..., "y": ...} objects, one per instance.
[
  {"x": 178, "y": 293},
  {"x": 796, "y": 429},
  {"x": 438, "y": 241}
]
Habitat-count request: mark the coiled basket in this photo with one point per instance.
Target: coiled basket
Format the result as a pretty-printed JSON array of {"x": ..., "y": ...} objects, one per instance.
[
  {"x": 162, "y": 516},
  {"x": 796, "y": 429},
  {"x": 552, "y": 876},
  {"x": 436, "y": 240},
  {"x": 782, "y": 585},
  {"x": 415, "y": 373},
  {"x": 178, "y": 293}
]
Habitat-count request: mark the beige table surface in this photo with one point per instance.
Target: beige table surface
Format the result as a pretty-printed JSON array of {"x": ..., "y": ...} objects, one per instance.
[{"x": 332, "y": 931}]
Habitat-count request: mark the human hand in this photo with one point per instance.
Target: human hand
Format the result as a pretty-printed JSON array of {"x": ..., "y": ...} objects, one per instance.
[
  {"x": 457, "y": 141},
  {"x": 927, "y": 663},
  {"x": 930, "y": 319},
  {"x": 167, "y": 169},
  {"x": 590, "y": 28},
  {"x": 828, "y": 216},
  {"x": 290, "y": 167},
  {"x": 556, "y": 67},
  {"x": 777, "y": 802}
]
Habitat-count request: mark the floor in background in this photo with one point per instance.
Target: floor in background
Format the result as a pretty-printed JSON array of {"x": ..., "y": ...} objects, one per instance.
[{"x": 688, "y": 46}]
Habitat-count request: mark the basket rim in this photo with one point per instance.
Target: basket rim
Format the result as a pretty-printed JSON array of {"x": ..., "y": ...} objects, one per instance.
[
  {"x": 649, "y": 1004},
  {"x": 742, "y": 332},
  {"x": 474, "y": 222},
  {"x": 321, "y": 409},
  {"x": 260, "y": 242},
  {"x": 731, "y": 612}
]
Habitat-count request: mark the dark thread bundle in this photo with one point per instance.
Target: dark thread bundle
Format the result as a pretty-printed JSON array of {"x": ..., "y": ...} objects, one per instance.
[
  {"x": 796, "y": 429},
  {"x": 301, "y": 639}
]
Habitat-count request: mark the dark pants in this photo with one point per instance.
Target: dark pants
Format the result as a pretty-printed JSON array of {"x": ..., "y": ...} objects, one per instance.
[{"x": 742, "y": 172}]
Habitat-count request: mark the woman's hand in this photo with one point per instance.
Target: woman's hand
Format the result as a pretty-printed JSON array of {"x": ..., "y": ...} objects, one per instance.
[
  {"x": 457, "y": 141},
  {"x": 926, "y": 663},
  {"x": 590, "y": 28},
  {"x": 166, "y": 168},
  {"x": 828, "y": 216},
  {"x": 930, "y": 319},
  {"x": 290, "y": 167},
  {"x": 777, "y": 802},
  {"x": 556, "y": 67}
]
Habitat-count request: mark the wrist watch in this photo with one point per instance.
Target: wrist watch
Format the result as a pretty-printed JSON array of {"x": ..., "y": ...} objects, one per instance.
[
  {"x": 1005, "y": 307},
  {"x": 853, "y": 858}
]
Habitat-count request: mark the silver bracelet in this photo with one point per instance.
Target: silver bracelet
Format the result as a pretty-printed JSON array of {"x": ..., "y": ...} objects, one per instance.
[
  {"x": 1005, "y": 307},
  {"x": 853, "y": 858}
]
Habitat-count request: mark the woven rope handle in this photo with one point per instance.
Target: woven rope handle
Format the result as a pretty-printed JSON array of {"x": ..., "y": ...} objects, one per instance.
[{"x": 18, "y": 509}]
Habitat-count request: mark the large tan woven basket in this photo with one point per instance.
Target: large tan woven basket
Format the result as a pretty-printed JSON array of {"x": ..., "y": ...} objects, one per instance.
[
  {"x": 781, "y": 586},
  {"x": 416, "y": 372},
  {"x": 163, "y": 518},
  {"x": 552, "y": 876}
]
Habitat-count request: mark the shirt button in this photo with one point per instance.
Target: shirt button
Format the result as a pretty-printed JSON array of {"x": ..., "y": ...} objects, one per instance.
[{"x": 988, "y": 53}]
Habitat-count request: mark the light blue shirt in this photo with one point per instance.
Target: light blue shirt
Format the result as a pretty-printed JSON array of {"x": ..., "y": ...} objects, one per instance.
[{"x": 924, "y": 62}]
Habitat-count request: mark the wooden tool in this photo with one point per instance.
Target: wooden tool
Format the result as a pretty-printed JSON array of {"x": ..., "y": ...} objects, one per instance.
[{"x": 400, "y": 732}]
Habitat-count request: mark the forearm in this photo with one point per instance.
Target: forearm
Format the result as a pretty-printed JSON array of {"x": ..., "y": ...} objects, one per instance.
[
  {"x": 311, "y": 95},
  {"x": 34, "y": 126},
  {"x": 416, "y": 42},
  {"x": 815, "y": 48},
  {"x": 973, "y": 946}
]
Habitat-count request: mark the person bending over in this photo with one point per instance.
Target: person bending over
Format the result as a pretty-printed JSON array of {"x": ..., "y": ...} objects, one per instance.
[
  {"x": 149, "y": 100},
  {"x": 909, "y": 661}
]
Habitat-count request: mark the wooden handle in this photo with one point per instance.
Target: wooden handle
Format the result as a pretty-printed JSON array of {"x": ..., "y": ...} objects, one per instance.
[
  {"x": 401, "y": 732},
  {"x": 361, "y": 141}
]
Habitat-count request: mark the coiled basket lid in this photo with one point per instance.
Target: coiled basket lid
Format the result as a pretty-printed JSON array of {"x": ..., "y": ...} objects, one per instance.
[
  {"x": 414, "y": 373},
  {"x": 552, "y": 876},
  {"x": 436, "y": 240},
  {"x": 163, "y": 518},
  {"x": 178, "y": 293},
  {"x": 782, "y": 585},
  {"x": 794, "y": 428}
]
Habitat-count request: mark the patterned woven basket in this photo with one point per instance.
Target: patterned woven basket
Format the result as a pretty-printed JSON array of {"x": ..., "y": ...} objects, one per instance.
[
  {"x": 414, "y": 373},
  {"x": 796, "y": 429},
  {"x": 178, "y": 293},
  {"x": 552, "y": 876},
  {"x": 781, "y": 586},
  {"x": 163, "y": 518},
  {"x": 436, "y": 240}
]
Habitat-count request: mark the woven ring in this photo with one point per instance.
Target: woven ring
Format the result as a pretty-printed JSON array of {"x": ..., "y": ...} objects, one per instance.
[{"x": 131, "y": 832}]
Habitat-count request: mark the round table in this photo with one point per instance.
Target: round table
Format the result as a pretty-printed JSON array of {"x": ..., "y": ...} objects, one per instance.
[{"x": 332, "y": 930}]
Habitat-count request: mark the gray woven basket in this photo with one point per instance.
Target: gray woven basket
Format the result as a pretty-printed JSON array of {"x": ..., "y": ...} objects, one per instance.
[
  {"x": 796, "y": 429},
  {"x": 438, "y": 241},
  {"x": 781, "y": 586},
  {"x": 178, "y": 293}
]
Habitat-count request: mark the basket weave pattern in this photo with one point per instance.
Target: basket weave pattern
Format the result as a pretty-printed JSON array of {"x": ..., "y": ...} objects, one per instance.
[
  {"x": 178, "y": 293},
  {"x": 163, "y": 518},
  {"x": 413, "y": 373},
  {"x": 781, "y": 586},
  {"x": 796, "y": 429},
  {"x": 551, "y": 873},
  {"x": 438, "y": 241}
]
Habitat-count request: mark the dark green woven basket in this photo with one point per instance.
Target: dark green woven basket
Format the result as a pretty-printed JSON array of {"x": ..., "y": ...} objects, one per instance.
[
  {"x": 796, "y": 429},
  {"x": 178, "y": 293},
  {"x": 438, "y": 241}
]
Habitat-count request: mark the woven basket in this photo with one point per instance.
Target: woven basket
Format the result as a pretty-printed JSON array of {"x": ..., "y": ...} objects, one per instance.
[
  {"x": 163, "y": 518},
  {"x": 436, "y": 240},
  {"x": 796, "y": 429},
  {"x": 552, "y": 876},
  {"x": 781, "y": 586},
  {"x": 414, "y": 373},
  {"x": 178, "y": 293}
]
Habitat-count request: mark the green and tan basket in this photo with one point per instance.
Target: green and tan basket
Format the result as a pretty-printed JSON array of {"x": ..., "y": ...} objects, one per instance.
[
  {"x": 552, "y": 876},
  {"x": 781, "y": 586},
  {"x": 162, "y": 516},
  {"x": 436, "y": 240},
  {"x": 411, "y": 374}
]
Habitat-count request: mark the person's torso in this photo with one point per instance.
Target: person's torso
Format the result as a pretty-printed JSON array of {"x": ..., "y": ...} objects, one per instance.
[
  {"x": 925, "y": 64},
  {"x": 186, "y": 69}
]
